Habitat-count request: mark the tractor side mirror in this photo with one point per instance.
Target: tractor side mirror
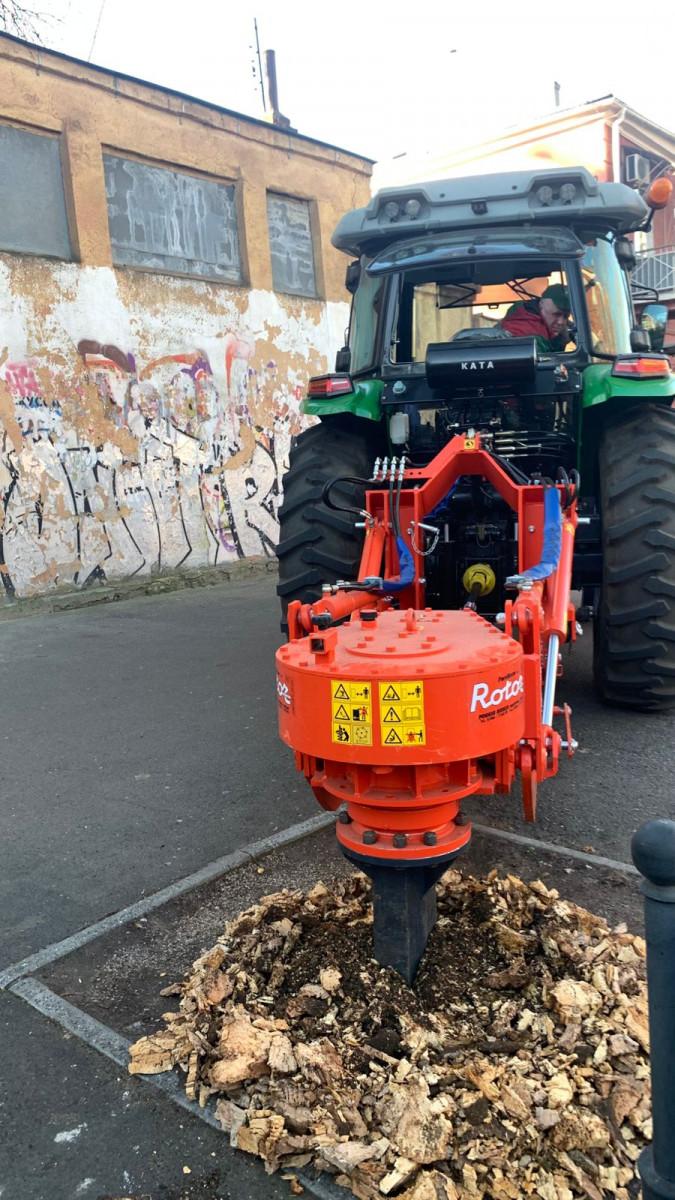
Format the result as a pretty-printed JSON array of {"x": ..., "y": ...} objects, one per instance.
[
  {"x": 343, "y": 361},
  {"x": 625, "y": 253},
  {"x": 639, "y": 341},
  {"x": 654, "y": 320},
  {"x": 352, "y": 276}
]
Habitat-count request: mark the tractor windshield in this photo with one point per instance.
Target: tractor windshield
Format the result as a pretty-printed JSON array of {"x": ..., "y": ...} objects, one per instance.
[
  {"x": 464, "y": 304},
  {"x": 448, "y": 288}
]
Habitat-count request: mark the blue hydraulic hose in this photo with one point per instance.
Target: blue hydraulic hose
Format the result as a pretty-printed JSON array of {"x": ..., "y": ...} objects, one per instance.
[
  {"x": 550, "y": 551},
  {"x": 438, "y": 508},
  {"x": 406, "y": 573}
]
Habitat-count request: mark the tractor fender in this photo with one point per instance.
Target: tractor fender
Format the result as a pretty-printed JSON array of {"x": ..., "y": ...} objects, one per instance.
[
  {"x": 364, "y": 401},
  {"x": 601, "y": 387}
]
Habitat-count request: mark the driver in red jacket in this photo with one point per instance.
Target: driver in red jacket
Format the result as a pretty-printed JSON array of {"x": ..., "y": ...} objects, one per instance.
[{"x": 546, "y": 319}]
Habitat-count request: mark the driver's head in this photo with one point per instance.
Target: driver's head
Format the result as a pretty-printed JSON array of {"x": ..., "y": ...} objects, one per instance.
[{"x": 554, "y": 307}]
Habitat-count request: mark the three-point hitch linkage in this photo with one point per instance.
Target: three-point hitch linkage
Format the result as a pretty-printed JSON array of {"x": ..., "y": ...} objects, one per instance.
[{"x": 399, "y": 712}]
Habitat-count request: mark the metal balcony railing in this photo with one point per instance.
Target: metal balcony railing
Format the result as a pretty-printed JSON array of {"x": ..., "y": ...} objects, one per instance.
[{"x": 656, "y": 269}]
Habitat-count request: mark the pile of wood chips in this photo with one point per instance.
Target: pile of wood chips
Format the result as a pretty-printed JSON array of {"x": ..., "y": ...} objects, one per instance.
[{"x": 516, "y": 1066}]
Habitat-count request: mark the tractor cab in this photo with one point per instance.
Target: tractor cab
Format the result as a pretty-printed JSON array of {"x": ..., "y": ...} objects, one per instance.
[{"x": 486, "y": 324}]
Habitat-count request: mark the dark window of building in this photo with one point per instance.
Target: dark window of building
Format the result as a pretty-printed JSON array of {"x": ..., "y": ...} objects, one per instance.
[
  {"x": 167, "y": 220},
  {"x": 291, "y": 245},
  {"x": 32, "y": 201}
]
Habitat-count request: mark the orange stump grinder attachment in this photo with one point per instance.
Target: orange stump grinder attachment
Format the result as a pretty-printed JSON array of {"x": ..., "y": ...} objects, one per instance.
[{"x": 397, "y": 713}]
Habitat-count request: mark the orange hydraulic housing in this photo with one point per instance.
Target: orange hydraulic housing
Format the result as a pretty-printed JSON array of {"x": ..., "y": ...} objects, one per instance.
[
  {"x": 398, "y": 716},
  {"x": 395, "y": 711}
]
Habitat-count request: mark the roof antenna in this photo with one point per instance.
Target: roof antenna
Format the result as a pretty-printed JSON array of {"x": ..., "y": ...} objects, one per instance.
[
  {"x": 96, "y": 29},
  {"x": 556, "y": 93},
  {"x": 277, "y": 117},
  {"x": 260, "y": 70}
]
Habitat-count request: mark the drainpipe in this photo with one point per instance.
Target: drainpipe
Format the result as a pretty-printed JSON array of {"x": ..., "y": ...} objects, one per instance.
[{"x": 616, "y": 145}]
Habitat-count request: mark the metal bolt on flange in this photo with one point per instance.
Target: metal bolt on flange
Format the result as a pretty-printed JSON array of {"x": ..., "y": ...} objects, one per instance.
[
  {"x": 429, "y": 838},
  {"x": 399, "y": 840},
  {"x": 344, "y": 817},
  {"x": 369, "y": 837}
]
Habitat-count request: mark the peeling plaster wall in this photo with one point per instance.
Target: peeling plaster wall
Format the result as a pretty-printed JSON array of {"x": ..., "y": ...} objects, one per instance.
[{"x": 145, "y": 420}]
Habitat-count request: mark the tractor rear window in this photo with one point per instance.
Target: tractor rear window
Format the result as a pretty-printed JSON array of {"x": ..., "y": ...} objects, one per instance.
[{"x": 448, "y": 309}]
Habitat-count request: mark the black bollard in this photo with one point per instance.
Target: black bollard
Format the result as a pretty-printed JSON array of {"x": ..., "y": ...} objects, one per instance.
[{"x": 653, "y": 850}]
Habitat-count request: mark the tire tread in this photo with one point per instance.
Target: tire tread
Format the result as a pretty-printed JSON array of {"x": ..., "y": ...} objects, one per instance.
[{"x": 634, "y": 651}]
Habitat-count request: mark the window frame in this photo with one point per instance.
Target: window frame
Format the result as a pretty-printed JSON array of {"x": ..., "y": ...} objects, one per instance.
[
  {"x": 109, "y": 151},
  {"x": 315, "y": 241},
  {"x": 56, "y": 136}
]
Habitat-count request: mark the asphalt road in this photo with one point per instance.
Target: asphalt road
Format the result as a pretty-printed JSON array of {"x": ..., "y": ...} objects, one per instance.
[{"x": 138, "y": 744}]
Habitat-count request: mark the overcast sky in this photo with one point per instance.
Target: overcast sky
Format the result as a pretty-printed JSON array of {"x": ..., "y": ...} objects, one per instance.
[{"x": 384, "y": 78}]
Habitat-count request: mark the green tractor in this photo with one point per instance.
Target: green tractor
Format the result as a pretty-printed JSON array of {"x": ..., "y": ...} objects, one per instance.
[{"x": 502, "y": 304}]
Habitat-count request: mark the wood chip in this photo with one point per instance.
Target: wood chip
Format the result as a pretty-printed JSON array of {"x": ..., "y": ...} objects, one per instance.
[
  {"x": 280, "y": 1057},
  {"x": 402, "y": 1172},
  {"x": 432, "y": 1185},
  {"x": 330, "y": 979},
  {"x": 157, "y": 1053},
  {"x": 243, "y": 1053}
]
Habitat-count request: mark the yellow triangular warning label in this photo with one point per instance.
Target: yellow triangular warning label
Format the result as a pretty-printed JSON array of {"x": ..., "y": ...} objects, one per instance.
[
  {"x": 391, "y": 693},
  {"x": 391, "y": 718},
  {"x": 393, "y": 739},
  {"x": 341, "y": 714},
  {"x": 341, "y": 693}
]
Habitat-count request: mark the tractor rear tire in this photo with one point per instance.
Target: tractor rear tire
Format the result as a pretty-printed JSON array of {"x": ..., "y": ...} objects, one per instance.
[
  {"x": 634, "y": 642},
  {"x": 317, "y": 545}
]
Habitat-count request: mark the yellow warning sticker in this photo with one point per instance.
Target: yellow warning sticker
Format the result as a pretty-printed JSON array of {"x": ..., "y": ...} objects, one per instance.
[
  {"x": 469, "y": 443},
  {"x": 402, "y": 721},
  {"x": 342, "y": 732},
  {"x": 352, "y": 712},
  {"x": 362, "y": 735}
]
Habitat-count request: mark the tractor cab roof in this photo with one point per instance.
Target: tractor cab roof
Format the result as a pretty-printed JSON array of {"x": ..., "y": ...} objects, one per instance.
[{"x": 568, "y": 196}]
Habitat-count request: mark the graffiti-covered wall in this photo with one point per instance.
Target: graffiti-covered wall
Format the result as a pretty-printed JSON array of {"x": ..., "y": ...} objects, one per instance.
[
  {"x": 167, "y": 287},
  {"x": 145, "y": 421}
]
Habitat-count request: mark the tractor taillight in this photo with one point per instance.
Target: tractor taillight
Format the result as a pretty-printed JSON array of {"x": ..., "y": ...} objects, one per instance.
[
  {"x": 655, "y": 366},
  {"x": 324, "y": 387}
]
